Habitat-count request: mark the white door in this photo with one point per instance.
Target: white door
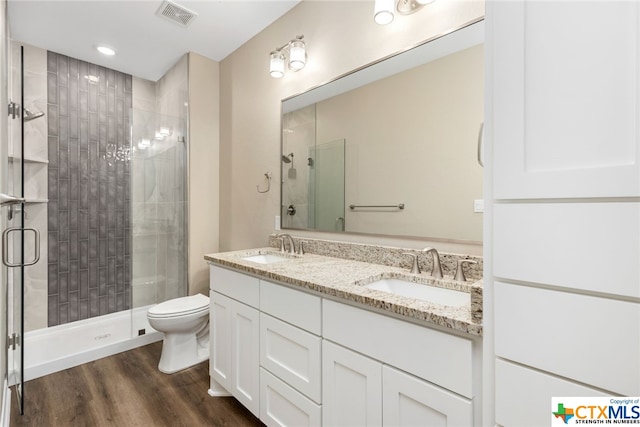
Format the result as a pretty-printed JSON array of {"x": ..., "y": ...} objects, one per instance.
[
  {"x": 409, "y": 401},
  {"x": 245, "y": 353},
  {"x": 351, "y": 388}
]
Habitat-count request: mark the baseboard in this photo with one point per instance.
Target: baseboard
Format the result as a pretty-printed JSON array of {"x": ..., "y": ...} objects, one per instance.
[
  {"x": 218, "y": 393},
  {"x": 5, "y": 416}
]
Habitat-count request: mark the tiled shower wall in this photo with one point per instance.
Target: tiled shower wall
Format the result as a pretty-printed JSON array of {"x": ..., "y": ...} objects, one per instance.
[{"x": 89, "y": 270}]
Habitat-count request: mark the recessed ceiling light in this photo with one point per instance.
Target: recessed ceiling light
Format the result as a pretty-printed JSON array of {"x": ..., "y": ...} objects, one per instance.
[{"x": 106, "y": 50}]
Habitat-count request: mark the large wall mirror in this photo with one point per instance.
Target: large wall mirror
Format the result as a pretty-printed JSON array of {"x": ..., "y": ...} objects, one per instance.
[{"x": 392, "y": 148}]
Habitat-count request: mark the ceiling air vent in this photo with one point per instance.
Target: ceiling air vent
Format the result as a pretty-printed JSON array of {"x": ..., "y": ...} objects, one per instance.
[{"x": 176, "y": 13}]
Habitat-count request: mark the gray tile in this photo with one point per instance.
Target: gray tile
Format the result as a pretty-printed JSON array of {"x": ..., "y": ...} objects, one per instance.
[
  {"x": 73, "y": 69},
  {"x": 120, "y": 304},
  {"x": 111, "y": 78},
  {"x": 52, "y": 312},
  {"x": 74, "y": 250},
  {"x": 93, "y": 271},
  {"x": 52, "y": 246},
  {"x": 94, "y": 303},
  {"x": 111, "y": 101},
  {"x": 102, "y": 137},
  {"x": 111, "y": 242},
  {"x": 84, "y": 163},
  {"x": 63, "y": 222},
  {"x": 53, "y": 151},
  {"x": 111, "y": 272},
  {"x": 102, "y": 84},
  {"x": 102, "y": 223},
  {"x": 73, "y": 96},
  {"x": 63, "y": 313},
  {"x": 63, "y": 169},
  {"x": 63, "y": 100},
  {"x": 84, "y": 284},
  {"x": 127, "y": 299},
  {"x": 74, "y": 276},
  {"x": 74, "y": 184},
  {"x": 111, "y": 217},
  {"x": 103, "y": 305},
  {"x": 127, "y": 241},
  {"x": 63, "y": 283},
  {"x": 111, "y": 130},
  {"x": 84, "y": 253},
  {"x": 83, "y": 306},
  {"x": 102, "y": 279},
  {"x": 119, "y": 84},
  {"x": 83, "y": 70},
  {"x": 73, "y": 307},
  {"x": 120, "y": 278},
  {"x": 74, "y": 125},
  {"x": 63, "y": 253},
  {"x": 128, "y": 83},
  {"x": 127, "y": 271},
  {"x": 83, "y": 105},
  {"x": 120, "y": 251},
  {"x": 52, "y": 122},
  {"x": 52, "y": 88},
  {"x": 120, "y": 226},
  {"x": 93, "y": 216},
  {"x": 63, "y": 131},
  {"x": 52, "y": 279},
  {"x": 83, "y": 219},
  {"x": 102, "y": 252},
  {"x": 102, "y": 109},
  {"x": 52, "y": 61},
  {"x": 63, "y": 70},
  {"x": 93, "y": 126},
  {"x": 93, "y": 98},
  {"x": 52, "y": 214},
  {"x": 111, "y": 298},
  {"x": 73, "y": 215},
  {"x": 93, "y": 244},
  {"x": 63, "y": 193}
]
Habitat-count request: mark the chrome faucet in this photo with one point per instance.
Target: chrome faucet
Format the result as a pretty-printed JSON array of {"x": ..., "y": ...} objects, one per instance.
[
  {"x": 415, "y": 268},
  {"x": 437, "y": 268},
  {"x": 292, "y": 246}
]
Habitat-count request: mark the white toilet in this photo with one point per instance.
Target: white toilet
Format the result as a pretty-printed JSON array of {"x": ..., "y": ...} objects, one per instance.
[{"x": 185, "y": 324}]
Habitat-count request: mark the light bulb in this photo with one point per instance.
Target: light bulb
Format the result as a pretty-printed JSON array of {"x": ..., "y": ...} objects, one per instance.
[
  {"x": 276, "y": 66},
  {"x": 297, "y": 55},
  {"x": 383, "y": 11}
]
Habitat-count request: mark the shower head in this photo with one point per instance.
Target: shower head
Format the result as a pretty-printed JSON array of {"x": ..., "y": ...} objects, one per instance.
[
  {"x": 30, "y": 115},
  {"x": 287, "y": 158}
]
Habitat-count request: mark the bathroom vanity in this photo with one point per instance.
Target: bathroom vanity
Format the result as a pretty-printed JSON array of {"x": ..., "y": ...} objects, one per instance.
[{"x": 302, "y": 340}]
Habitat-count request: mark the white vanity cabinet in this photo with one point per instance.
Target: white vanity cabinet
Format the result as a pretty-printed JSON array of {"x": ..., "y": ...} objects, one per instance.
[
  {"x": 364, "y": 384},
  {"x": 234, "y": 332}
]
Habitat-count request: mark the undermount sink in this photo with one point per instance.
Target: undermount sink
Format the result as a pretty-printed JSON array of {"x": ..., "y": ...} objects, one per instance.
[
  {"x": 428, "y": 293},
  {"x": 265, "y": 258}
]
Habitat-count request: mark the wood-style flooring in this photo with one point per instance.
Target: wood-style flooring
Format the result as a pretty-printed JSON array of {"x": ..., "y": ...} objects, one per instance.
[{"x": 128, "y": 390}]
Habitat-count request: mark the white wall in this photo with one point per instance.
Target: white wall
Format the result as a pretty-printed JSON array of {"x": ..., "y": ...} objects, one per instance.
[{"x": 340, "y": 36}]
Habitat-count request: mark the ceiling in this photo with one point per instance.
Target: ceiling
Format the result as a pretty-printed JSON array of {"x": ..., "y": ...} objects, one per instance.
[{"x": 146, "y": 44}]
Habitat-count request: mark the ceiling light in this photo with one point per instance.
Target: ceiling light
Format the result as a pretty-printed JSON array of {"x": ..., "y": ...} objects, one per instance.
[
  {"x": 106, "y": 50},
  {"x": 294, "y": 53}
]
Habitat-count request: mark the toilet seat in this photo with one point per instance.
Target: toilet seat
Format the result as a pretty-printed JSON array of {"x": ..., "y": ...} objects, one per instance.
[{"x": 182, "y": 306}]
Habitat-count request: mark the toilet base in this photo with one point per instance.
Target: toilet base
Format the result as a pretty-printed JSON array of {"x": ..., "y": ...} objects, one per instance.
[{"x": 181, "y": 351}]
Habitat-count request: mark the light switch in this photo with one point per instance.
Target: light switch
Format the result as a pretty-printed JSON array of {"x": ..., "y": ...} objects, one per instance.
[
  {"x": 277, "y": 222},
  {"x": 478, "y": 205}
]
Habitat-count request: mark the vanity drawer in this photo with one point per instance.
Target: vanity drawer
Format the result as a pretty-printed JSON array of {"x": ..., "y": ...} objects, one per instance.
[
  {"x": 235, "y": 285},
  {"x": 291, "y": 354},
  {"x": 281, "y": 405},
  {"x": 296, "y": 307},
  {"x": 435, "y": 356}
]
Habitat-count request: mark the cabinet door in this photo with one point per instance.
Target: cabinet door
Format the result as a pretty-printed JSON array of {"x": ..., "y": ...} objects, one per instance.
[
  {"x": 409, "y": 401},
  {"x": 245, "y": 345},
  {"x": 291, "y": 354},
  {"x": 283, "y": 406},
  {"x": 566, "y": 99},
  {"x": 220, "y": 339},
  {"x": 351, "y": 388}
]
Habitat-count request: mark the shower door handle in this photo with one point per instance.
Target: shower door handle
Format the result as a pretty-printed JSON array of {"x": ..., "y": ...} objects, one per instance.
[
  {"x": 5, "y": 247},
  {"x": 6, "y": 199},
  {"x": 481, "y": 145}
]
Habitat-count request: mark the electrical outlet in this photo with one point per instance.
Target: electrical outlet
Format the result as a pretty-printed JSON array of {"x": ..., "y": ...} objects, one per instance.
[
  {"x": 141, "y": 332},
  {"x": 478, "y": 205},
  {"x": 277, "y": 222}
]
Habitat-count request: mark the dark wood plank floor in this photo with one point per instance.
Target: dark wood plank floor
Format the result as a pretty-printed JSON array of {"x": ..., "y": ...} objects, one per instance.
[{"x": 128, "y": 390}]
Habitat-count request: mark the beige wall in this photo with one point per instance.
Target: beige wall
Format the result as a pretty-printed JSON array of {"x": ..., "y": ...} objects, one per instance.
[
  {"x": 204, "y": 142},
  {"x": 340, "y": 36}
]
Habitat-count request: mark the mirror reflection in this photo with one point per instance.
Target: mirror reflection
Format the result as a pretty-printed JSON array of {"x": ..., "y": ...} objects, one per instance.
[{"x": 391, "y": 149}]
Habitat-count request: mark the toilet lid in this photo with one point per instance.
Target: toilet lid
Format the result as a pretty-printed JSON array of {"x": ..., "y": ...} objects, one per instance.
[{"x": 180, "y": 306}]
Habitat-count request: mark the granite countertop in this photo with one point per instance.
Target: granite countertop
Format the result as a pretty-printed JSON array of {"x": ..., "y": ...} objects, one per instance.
[{"x": 344, "y": 279}]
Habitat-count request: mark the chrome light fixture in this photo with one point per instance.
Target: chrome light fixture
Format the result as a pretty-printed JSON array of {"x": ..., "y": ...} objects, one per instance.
[
  {"x": 384, "y": 10},
  {"x": 293, "y": 53}
]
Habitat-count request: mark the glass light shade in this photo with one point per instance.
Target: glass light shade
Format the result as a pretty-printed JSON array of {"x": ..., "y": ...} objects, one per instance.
[
  {"x": 297, "y": 55},
  {"x": 383, "y": 11},
  {"x": 165, "y": 131},
  {"x": 276, "y": 66},
  {"x": 105, "y": 50},
  {"x": 423, "y": 2},
  {"x": 144, "y": 143}
]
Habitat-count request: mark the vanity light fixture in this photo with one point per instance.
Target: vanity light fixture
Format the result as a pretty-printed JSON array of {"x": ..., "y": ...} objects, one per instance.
[
  {"x": 294, "y": 52},
  {"x": 384, "y": 10}
]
